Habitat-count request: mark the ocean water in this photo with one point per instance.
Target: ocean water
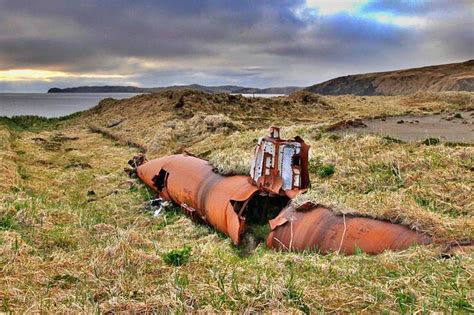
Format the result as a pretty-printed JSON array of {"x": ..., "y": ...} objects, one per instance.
[
  {"x": 51, "y": 104},
  {"x": 61, "y": 104}
]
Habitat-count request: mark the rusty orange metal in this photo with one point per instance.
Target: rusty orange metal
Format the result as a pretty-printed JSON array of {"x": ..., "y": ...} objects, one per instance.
[
  {"x": 315, "y": 227},
  {"x": 204, "y": 195},
  {"x": 279, "y": 172},
  {"x": 280, "y": 166}
]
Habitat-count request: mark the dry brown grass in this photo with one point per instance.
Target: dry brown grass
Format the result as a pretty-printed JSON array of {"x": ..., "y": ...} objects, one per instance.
[
  {"x": 408, "y": 183},
  {"x": 171, "y": 121},
  {"x": 426, "y": 187},
  {"x": 66, "y": 249},
  {"x": 8, "y": 173}
]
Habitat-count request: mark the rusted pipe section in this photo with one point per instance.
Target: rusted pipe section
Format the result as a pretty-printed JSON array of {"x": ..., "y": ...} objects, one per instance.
[
  {"x": 314, "y": 227},
  {"x": 204, "y": 195}
]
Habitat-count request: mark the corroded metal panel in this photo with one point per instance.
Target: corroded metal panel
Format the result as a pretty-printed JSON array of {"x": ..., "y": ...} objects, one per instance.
[{"x": 280, "y": 166}]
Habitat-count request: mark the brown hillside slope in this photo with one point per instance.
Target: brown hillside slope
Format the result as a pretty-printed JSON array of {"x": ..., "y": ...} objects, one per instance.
[
  {"x": 170, "y": 121},
  {"x": 448, "y": 77}
]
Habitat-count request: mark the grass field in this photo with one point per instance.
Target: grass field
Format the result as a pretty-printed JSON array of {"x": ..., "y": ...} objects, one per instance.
[{"x": 75, "y": 236}]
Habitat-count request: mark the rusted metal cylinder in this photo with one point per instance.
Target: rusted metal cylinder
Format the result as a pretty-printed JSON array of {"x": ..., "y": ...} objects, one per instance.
[
  {"x": 315, "y": 227},
  {"x": 203, "y": 194}
]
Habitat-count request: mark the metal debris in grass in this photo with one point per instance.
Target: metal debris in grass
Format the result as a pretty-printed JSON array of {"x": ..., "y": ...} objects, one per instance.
[
  {"x": 156, "y": 206},
  {"x": 279, "y": 173}
]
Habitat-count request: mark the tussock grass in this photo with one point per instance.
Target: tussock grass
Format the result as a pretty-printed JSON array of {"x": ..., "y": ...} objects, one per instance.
[
  {"x": 65, "y": 249},
  {"x": 170, "y": 121},
  {"x": 428, "y": 188},
  {"x": 120, "y": 140},
  {"x": 228, "y": 162},
  {"x": 8, "y": 172},
  {"x": 442, "y": 101}
]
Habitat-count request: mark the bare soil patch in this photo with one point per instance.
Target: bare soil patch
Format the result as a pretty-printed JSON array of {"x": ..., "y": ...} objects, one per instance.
[{"x": 447, "y": 127}]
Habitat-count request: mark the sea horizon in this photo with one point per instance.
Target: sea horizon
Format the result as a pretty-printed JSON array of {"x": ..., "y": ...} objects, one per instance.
[{"x": 54, "y": 105}]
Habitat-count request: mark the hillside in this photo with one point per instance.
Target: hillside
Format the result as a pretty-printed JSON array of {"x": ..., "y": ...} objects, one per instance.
[
  {"x": 438, "y": 78},
  {"x": 198, "y": 87},
  {"x": 77, "y": 234},
  {"x": 170, "y": 120}
]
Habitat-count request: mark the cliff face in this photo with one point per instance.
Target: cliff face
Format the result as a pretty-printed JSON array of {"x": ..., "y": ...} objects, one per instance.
[{"x": 449, "y": 77}]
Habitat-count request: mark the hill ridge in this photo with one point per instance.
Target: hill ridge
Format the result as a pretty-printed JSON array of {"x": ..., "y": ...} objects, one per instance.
[{"x": 434, "y": 78}]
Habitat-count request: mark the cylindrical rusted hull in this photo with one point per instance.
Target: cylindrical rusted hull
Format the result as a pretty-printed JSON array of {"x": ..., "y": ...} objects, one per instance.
[
  {"x": 191, "y": 183},
  {"x": 314, "y": 227}
]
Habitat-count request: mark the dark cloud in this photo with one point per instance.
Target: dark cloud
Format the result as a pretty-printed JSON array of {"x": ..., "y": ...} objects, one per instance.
[
  {"x": 342, "y": 37},
  {"x": 244, "y": 42}
]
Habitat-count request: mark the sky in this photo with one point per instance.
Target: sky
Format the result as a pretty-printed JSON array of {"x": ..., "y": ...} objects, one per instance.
[{"x": 259, "y": 43}]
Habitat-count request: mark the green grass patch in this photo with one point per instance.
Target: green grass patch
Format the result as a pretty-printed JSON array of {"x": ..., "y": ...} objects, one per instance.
[
  {"x": 177, "y": 257},
  {"x": 294, "y": 294},
  {"x": 36, "y": 123},
  {"x": 59, "y": 237},
  {"x": 406, "y": 301},
  {"x": 63, "y": 281},
  {"x": 390, "y": 140},
  {"x": 431, "y": 141},
  {"x": 320, "y": 169},
  {"x": 457, "y": 144},
  {"x": 383, "y": 176},
  {"x": 167, "y": 218},
  {"x": 7, "y": 222}
]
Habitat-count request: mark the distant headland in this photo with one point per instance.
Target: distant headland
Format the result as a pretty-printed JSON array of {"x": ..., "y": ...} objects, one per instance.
[{"x": 204, "y": 88}]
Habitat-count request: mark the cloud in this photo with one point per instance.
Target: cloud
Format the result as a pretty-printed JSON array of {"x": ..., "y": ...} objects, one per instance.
[
  {"x": 45, "y": 75},
  {"x": 327, "y": 7},
  {"x": 417, "y": 7},
  {"x": 246, "y": 42}
]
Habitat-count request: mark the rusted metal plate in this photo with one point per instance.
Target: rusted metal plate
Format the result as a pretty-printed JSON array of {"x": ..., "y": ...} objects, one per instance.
[
  {"x": 203, "y": 194},
  {"x": 280, "y": 166},
  {"x": 315, "y": 227}
]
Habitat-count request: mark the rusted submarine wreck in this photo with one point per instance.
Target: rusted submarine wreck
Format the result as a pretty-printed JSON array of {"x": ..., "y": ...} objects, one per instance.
[{"x": 278, "y": 174}]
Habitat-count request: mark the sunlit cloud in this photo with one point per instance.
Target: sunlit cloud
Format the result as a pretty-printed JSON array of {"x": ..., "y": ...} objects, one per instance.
[
  {"x": 402, "y": 21},
  {"x": 47, "y": 75},
  {"x": 327, "y": 7},
  {"x": 355, "y": 8}
]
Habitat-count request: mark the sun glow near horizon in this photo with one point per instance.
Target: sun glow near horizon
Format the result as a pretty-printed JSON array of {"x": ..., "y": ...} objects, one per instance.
[{"x": 15, "y": 75}]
